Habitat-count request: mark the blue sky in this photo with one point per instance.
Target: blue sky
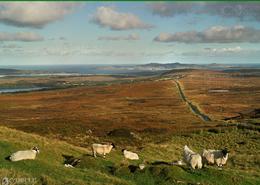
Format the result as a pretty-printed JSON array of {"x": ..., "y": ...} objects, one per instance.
[{"x": 129, "y": 33}]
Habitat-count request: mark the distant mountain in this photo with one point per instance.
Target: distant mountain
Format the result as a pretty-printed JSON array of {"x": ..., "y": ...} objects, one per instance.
[
  {"x": 168, "y": 66},
  {"x": 215, "y": 65},
  {"x": 152, "y": 67}
]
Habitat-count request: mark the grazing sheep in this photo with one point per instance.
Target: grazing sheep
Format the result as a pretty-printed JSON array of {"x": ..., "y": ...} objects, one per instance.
[
  {"x": 192, "y": 158},
  {"x": 130, "y": 155},
  {"x": 102, "y": 149},
  {"x": 215, "y": 156},
  {"x": 24, "y": 155}
]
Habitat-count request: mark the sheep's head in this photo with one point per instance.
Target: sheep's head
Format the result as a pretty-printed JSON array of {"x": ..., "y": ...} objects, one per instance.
[
  {"x": 123, "y": 150},
  {"x": 36, "y": 149},
  {"x": 113, "y": 145},
  {"x": 225, "y": 152}
]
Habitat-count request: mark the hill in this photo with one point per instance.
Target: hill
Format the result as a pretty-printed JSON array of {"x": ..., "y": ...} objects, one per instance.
[
  {"x": 152, "y": 116},
  {"x": 48, "y": 167}
]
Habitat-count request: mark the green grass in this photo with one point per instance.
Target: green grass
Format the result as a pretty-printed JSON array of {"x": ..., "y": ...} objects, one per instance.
[
  {"x": 48, "y": 165},
  {"x": 242, "y": 168}
]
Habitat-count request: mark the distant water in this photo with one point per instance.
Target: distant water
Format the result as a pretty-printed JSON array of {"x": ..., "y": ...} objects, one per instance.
[
  {"x": 247, "y": 65},
  {"x": 14, "y": 90},
  {"x": 219, "y": 90},
  {"x": 40, "y": 75},
  {"x": 65, "y": 69}
]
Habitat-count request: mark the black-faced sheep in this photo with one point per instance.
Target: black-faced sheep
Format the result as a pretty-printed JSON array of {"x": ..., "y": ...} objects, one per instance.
[
  {"x": 218, "y": 157},
  {"x": 24, "y": 155},
  {"x": 102, "y": 149},
  {"x": 192, "y": 158}
]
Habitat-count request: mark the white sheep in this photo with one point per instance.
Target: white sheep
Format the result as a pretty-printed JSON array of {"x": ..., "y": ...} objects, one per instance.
[
  {"x": 192, "y": 158},
  {"x": 102, "y": 149},
  {"x": 130, "y": 155},
  {"x": 219, "y": 157},
  {"x": 25, "y": 154}
]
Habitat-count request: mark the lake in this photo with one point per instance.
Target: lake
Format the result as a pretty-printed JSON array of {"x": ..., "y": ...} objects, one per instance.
[{"x": 28, "y": 89}]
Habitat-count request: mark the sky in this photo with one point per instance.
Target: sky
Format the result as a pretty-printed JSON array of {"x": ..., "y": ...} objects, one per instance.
[{"x": 55, "y": 33}]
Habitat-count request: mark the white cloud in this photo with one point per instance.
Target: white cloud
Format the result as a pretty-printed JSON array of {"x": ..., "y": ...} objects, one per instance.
[
  {"x": 109, "y": 17},
  {"x": 215, "y": 34},
  {"x": 236, "y": 49},
  {"x": 226, "y": 51},
  {"x": 36, "y": 14},
  {"x": 116, "y": 38},
  {"x": 20, "y": 36}
]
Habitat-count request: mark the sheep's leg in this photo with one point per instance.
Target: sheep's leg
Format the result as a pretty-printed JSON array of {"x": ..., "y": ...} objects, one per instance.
[
  {"x": 104, "y": 155},
  {"x": 219, "y": 166},
  {"x": 199, "y": 165},
  {"x": 94, "y": 154}
]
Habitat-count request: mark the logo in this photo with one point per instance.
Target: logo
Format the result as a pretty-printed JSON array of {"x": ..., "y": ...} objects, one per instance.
[
  {"x": 20, "y": 181},
  {"x": 5, "y": 181}
]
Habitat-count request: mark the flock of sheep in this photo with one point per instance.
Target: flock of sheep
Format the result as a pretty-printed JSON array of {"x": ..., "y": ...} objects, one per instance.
[
  {"x": 194, "y": 160},
  {"x": 218, "y": 157},
  {"x": 103, "y": 149}
]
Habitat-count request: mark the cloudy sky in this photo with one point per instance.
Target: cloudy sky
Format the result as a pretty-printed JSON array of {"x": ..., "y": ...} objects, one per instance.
[{"x": 129, "y": 33}]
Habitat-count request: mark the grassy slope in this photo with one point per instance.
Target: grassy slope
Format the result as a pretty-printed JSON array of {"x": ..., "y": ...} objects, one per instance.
[{"x": 48, "y": 167}]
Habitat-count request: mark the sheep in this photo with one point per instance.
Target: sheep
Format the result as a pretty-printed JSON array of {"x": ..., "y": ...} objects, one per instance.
[
  {"x": 192, "y": 158},
  {"x": 130, "y": 155},
  {"x": 24, "y": 155},
  {"x": 102, "y": 149},
  {"x": 219, "y": 157}
]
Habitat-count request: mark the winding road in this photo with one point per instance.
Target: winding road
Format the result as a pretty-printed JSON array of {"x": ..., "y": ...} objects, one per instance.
[{"x": 193, "y": 107}]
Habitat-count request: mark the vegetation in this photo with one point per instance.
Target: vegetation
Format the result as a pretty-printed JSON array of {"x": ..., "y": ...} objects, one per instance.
[
  {"x": 144, "y": 115},
  {"x": 48, "y": 168}
]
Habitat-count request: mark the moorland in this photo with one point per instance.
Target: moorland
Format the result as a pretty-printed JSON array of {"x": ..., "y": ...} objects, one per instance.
[{"x": 153, "y": 115}]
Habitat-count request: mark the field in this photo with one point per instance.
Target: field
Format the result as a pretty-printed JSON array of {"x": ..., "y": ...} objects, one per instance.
[
  {"x": 72, "y": 112},
  {"x": 62, "y": 81},
  {"x": 222, "y": 95},
  {"x": 147, "y": 115}
]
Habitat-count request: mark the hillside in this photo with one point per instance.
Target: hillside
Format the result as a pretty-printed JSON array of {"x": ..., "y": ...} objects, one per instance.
[
  {"x": 151, "y": 116},
  {"x": 48, "y": 167}
]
